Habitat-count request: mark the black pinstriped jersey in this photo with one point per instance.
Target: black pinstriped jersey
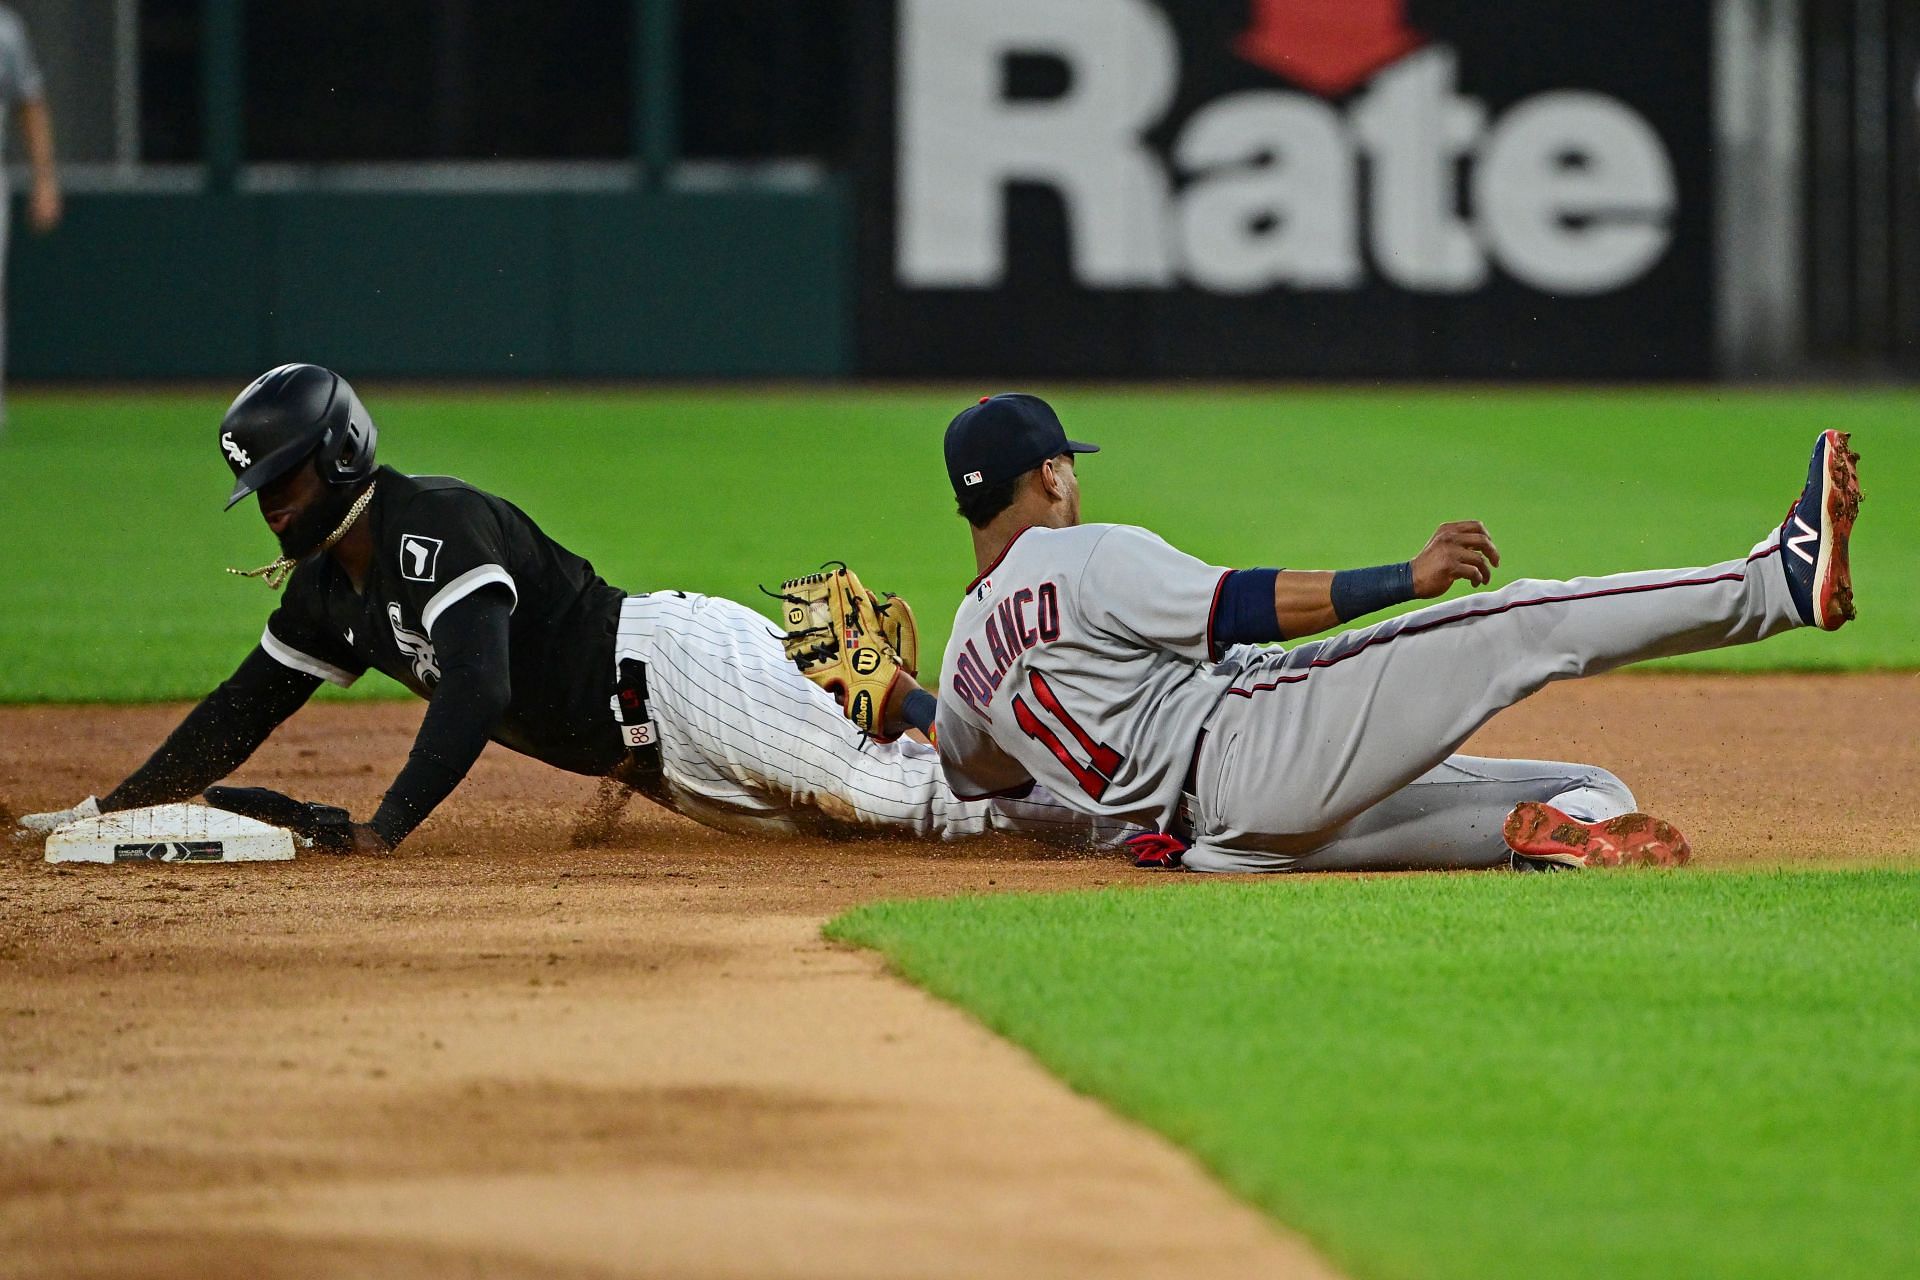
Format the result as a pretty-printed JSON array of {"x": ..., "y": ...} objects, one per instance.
[{"x": 436, "y": 541}]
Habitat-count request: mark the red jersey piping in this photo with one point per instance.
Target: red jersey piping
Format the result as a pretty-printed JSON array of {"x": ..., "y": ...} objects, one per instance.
[{"x": 984, "y": 573}]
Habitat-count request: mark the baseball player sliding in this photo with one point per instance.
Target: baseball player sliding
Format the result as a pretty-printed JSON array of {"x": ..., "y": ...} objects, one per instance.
[
  {"x": 512, "y": 638},
  {"x": 1123, "y": 675}
]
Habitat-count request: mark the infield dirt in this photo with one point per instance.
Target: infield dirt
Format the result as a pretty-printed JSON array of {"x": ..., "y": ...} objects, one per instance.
[{"x": 494, "y": 1055}]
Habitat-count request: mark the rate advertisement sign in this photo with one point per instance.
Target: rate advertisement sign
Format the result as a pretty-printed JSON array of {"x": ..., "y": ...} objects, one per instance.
[{"x": 1292, "y": 188}]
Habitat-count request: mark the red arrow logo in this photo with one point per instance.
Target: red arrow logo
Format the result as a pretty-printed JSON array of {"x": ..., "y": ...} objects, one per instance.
[{"x": 1328, "y": 46}]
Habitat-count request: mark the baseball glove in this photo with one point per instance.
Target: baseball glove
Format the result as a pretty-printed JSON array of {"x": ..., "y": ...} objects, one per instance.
[
  {"x": 898, "y": 629},
  {"x": 327, "y": 826},
  {"x": 850, "y": 641}
]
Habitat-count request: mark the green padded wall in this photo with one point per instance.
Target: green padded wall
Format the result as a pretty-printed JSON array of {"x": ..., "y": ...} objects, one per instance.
[{"x": 640, "y": 284}]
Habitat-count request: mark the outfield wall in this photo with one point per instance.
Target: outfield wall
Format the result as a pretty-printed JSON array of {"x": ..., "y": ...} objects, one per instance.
[
  {"x": 568, "y": 284},
  {"x": 1346, "y": 189}
]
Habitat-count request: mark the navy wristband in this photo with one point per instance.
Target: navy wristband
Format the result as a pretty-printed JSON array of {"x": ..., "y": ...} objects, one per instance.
[
  {"x": 1243, "y": 611},
  {"x": 919, "y": 709},
  {"x": 1357, "y": 592}
]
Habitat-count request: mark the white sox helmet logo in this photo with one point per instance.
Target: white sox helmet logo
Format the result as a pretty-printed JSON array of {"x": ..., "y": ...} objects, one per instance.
[{"x": 234, "y": 451}]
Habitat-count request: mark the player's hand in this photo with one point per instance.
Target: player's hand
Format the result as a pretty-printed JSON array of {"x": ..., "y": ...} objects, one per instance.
[
  {"x": 366, "y": 841},
  {"x": 896, "y": 724},
  {"x": 38, "y": 826},
  {"x": 1457, "y": 552},
  {"x": 44, "y": 207}
]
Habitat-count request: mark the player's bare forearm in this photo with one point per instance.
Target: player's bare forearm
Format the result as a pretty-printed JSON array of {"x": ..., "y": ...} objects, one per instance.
[
  {"x": 1307, "y": 601},
  {"x": 1303, "y": 602},
  {"x": 909, "y": 708},
  {"x": 896, "y": 717},
  {"x": 44, "y": 203},
  {"x": 36, "y": 129}
]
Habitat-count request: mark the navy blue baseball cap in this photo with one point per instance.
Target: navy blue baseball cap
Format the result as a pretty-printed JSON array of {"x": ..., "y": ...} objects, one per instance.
[{"x": 1002, "y": 437}]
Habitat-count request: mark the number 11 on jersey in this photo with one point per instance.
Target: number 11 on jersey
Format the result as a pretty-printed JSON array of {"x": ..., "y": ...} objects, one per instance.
[{"x": 1103, "y": 761}]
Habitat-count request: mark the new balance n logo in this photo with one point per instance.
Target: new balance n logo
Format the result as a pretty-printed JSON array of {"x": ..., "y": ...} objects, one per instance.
[{"x": 1801, "y": 543}]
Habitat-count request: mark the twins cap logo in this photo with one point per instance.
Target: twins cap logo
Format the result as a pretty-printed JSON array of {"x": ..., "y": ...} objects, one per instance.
[
  {"x": 419, "y": 557},
  {"x": 972, "y": 477},
  {"x": 234, "y": 451}
]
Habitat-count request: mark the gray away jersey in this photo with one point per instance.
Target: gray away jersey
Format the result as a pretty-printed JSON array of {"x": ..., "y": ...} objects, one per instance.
[
  {"x": 1081, "y": 660},
  {"x": 19, "y": 73}
]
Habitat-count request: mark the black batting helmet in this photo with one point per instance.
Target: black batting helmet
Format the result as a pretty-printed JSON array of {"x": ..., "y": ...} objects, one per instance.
[{"x": 288, "y": 414}]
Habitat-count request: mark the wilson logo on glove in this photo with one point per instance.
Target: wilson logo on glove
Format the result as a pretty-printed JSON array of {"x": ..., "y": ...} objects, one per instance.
[{"x": 850, "y": 641}]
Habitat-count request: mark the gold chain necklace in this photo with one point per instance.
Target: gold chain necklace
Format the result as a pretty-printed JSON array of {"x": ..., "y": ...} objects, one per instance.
[{"x": 276, "y": 574}]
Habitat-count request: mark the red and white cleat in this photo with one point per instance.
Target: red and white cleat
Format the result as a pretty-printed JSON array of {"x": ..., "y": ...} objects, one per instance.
[
  {"x": 1545, "y": 839},
  {"x": 1813, "y": 541}
]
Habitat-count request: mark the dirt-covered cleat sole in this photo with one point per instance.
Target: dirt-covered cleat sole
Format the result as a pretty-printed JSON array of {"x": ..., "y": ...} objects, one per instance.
[
  {"x": 1542, "y": 838},
  {"x": 1813, "y": 540}
]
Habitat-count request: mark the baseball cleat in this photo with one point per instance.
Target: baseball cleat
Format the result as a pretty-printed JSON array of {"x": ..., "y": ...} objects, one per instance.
[
  {"x": 1813, "y": 540},
  {"x": 1545, "y": 839},
  {"x": 1157, "y": 850}
]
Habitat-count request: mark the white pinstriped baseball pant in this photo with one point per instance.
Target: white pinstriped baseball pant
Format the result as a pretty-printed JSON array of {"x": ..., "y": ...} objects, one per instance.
[{"x": 750, "y": 744}]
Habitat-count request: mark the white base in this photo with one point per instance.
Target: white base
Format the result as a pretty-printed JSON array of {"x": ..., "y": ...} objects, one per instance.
[{"x": 169, "y": 833}]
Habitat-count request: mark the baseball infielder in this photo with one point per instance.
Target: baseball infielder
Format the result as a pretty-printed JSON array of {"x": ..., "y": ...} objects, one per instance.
[
  {"x": 460, "y": 597},
  {"x": 1121, "y": 674},
  {"x": 22, "y": 87}
]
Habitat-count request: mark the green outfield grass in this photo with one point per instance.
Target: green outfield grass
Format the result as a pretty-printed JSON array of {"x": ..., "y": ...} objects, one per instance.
[
  {"x": 1478, "y": 1077},
  {"x": 112, "y": 539}
]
